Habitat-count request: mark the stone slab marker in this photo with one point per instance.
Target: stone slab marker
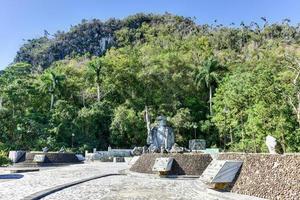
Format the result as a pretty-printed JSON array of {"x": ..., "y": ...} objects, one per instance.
[
  {"x": 39, "y": 158},
  {"x": 15, "y": 156},
  {"x": 163, "y": 165},
  {"x": 197, "y": 144},
  {"x": 221, "y": 172},
  {"x": 271, "y": 144},
  {"x": 118, "y": 159}
]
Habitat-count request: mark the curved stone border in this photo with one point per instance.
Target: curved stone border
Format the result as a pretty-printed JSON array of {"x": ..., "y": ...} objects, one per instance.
[
  {"x": 197, "y": 184},
  {"x": 46, "y": 192},
  {"x": 156, "y": 176}
]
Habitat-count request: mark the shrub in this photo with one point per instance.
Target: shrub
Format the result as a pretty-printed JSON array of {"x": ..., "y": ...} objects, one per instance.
[{"x": 4, "y": 160}]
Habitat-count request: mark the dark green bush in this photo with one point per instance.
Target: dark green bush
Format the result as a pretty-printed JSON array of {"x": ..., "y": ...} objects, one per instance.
[{"x": 4, "y": 158}]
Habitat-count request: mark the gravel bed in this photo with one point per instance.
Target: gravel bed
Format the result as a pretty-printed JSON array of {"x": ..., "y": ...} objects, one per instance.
[
  {"x": 267, "y": 176},
  {"x": 184, "y": 164}
]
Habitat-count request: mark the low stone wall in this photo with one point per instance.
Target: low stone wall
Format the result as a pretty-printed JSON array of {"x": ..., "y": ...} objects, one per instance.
[
  {"x": 107, "y": 156},
  {"x": 53, "y": 157},
  {"x": 183, "y": 164},
  {"x": 267, "y": 176}
]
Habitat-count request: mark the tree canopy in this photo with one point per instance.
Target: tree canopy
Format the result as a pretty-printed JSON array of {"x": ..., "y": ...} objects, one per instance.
[{"x": 233, "y": 85}]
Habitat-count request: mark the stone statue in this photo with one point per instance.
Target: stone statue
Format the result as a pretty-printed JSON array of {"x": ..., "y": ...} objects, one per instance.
[
  {"x": 271, "y": 144},
  {"x": 62, "y": 150},
  {"x": 274, "y": 147},
  {"x": 160, "y": 138},
  {"x": 45, "y": 149}
]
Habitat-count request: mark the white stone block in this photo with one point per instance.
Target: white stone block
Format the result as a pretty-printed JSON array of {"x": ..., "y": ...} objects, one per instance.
[
  {"x": 39, "y": 158},
  {"x": 15, "y": 156},
  {"x": 271, "y": 144},
  {"x": 163, "y": 164}
]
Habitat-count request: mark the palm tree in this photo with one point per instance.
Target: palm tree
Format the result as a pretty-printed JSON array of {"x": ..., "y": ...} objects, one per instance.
[
  {"x": 51, "y": 84},
  {"x": 209, "y": 73},
  {"x": 96, "y": 67}
]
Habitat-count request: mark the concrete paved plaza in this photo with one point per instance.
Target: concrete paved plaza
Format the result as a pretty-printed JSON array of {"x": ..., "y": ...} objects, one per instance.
[{"x": 130, "y": 186}]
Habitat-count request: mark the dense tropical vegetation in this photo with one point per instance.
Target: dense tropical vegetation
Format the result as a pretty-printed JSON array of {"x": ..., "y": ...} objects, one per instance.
[{"x": 231, "y": 85}]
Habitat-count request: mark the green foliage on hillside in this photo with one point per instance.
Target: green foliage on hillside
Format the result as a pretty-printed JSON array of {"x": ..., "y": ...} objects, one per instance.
[{"x": 235, "y": 85}]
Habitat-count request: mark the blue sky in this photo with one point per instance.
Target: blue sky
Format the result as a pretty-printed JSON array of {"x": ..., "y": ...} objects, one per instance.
[{"x": 25, "y": 19}]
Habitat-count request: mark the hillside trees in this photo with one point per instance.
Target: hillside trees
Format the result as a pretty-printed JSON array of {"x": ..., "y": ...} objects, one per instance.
[
  {"x": 256, "y": 104},
  {"x": 230, "y": 85},
  {"x": 209, "y": 74}
]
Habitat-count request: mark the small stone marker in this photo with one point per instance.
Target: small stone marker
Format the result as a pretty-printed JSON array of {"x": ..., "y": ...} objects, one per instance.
[
  {"x": 221, "y": 171},
  {"x": 271, "y": 144},
  {"x": 39, "y": 158},
  {"x": 118, "y": 159},
  {"x": 197, "y": 144},
  {"x": 80, "y": 157},
  {"x": 163, "y": 165},
  {"x": 62, "y": 150},
  {"x": 15, "y": 156},
  {"x": 45, "y": 149}
]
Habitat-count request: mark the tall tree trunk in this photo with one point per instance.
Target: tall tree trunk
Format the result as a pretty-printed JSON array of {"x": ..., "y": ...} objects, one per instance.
[
  {"x": 210, "y": 100},
  {"x": 148, "y": 125},
  {"x": 1, "y": 102},
  {"x": 52, "y": 101},
  {"x": 243, "y": 135},
  {"x": 225, "y": 132},
  {"x": 52, "y": 90},
  {"x": 83, "y": 99},
  {"x": 98, "y": 92},
  {"x": 231, "y": 136},
  {"x": 254, "y": 139},
  {"x": 243, "y": 140},
  {"x": 283, "y": 141},
  {"x": 295, "y": 81}
]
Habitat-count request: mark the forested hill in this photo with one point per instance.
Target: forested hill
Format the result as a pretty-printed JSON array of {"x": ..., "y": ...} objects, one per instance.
[
  {"x": 231, "y": 85},
  {"x": 94, "y": 37}
]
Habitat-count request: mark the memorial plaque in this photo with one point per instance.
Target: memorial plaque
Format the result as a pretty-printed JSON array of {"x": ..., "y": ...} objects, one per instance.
[
  {"x": 118, "y": 159},
  {"x": 197, "y": 144},
  {"x": 221, "y": 171},
  {"x": 163, "y": 164},
  {"x": 39, "y": 158}
]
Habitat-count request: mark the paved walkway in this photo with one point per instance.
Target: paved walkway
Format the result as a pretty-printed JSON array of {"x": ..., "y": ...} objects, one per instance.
[
  {"x": 131, "y": 186},
  {"x": 142, "y": 188},
  {"x": 33, "y": 182}
]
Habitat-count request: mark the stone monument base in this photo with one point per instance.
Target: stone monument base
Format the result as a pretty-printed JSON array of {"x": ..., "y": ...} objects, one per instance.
[
  {"x": 50, "y": 159},
  {"x": 183, "y": 164}
]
